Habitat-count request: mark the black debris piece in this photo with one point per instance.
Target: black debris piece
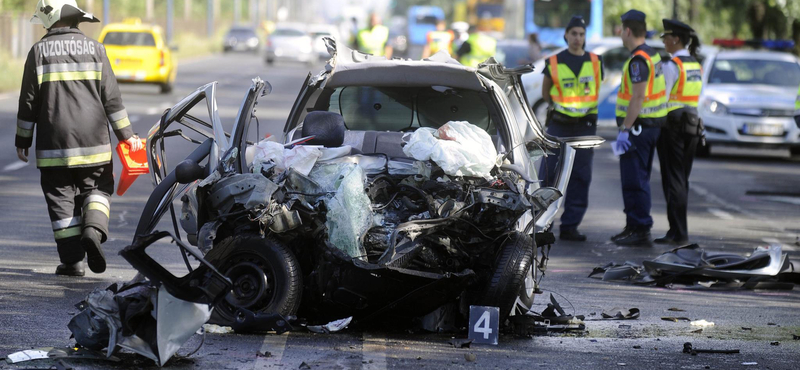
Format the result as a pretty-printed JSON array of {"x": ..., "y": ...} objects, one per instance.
[
  {"x": 617, "y": 313},
  {"x": 265, "y": 354},
  {"x": 304, "y": 366},
  {"x": 675, "y": 309},
  {"x": 687, "y": 348},
  {"x": 775, "y": 343},
  {"x": 795, "y": 337},
  {"x": 744, "y": 328},
  {"x": 675, "y": 319},
  {"x": 461, "y": 342}
]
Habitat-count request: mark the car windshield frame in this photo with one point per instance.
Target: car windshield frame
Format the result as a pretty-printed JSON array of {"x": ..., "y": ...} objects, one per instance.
[{"x": 751, "y": 71}]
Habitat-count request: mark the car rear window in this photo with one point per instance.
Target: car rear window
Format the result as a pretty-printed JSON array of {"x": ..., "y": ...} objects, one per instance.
[
  {"x": 288, "y": 32},
  {"x": 406, "y": 108},
  {"x": 130, "y": 39},
  {"x": 755, "y": 71}
]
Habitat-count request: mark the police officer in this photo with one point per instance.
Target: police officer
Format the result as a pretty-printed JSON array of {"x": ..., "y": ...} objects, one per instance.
[
  {"x": 69, "y": 95},
  {"x": 440, "y": 39},
  {"x": 477, "y": 48},
  {"x": 571, "y": 85},
  {"x": 641, "y": 111},
  {"x": 678, "y": 141},
  {"x": 374, "y": 39}
]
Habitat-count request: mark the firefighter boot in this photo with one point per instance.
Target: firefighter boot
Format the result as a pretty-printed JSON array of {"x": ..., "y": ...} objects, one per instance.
[
  {"x": 90, "y": 241},
  {"x": 71, "y": 269}
]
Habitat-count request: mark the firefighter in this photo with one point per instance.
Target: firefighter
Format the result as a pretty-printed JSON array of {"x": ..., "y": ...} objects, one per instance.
[
  {"x": 374, "y": 40},
  {"x": 477, "y": 48},
  {"x": 678, "y": 141},
  {"x": 68, "y": 97},
  {"x": 641, "y": 111},
  {"x": 441, "y": 39},
  {"x": 571, "y": 85}
]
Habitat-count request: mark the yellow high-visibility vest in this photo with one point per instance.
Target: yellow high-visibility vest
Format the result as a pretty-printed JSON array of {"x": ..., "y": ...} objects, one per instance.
[
  {"x": 686, "y": 91},
  {"x": 655, "y": 102},
  {"x": 575, "y": 96},
  {"x": 373, "y": 41},
  {"x": 440, "y": 40},
  {"x": 482, "y": 47}
]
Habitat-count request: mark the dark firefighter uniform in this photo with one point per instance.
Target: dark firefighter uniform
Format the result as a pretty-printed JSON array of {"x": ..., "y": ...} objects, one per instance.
[
  {"x": 69, "y": 95},
  {"x": 636, "y": 164},
  {"x": 679, "y": 137},
  {"x": 576, "y": 85}
]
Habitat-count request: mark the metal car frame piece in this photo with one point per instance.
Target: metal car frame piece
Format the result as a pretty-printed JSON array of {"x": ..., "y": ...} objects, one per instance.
[{"x": 720, "y": 265}]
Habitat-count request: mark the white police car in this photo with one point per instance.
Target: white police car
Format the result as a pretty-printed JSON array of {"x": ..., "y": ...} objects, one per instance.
[{"x": 748, "y": 99}]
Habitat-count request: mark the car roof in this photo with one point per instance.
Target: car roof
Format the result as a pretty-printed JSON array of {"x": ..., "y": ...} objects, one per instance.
[
  {"x": 353, "y": 68},
  {"x": 756, "y": 54}
]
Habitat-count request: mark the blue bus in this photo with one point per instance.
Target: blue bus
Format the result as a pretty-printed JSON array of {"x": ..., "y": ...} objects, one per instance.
[
  {"x": 549, "y": 17},
  {"x": 421, "y": 20}
]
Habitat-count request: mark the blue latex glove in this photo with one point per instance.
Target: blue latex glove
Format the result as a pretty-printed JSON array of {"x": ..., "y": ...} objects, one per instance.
[{"x": 623, "y": 144}]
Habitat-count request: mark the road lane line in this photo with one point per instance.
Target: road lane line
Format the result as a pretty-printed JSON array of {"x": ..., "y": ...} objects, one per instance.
[
  {"x": 373, "y": 352},
  {"x": 275, "y": 345},
  {"x": 721, "y": 214},
  {"x": 781, "y": 199},
  {"x": 14, "y": 166},
  {"x": 785, "y": 247}
]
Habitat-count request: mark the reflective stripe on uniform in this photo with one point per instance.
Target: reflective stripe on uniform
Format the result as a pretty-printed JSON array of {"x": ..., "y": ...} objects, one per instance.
[
  {"x": 73, "y": 156},
  {"x": 21, "y": 132},
  {"x": 67, "y": 233},
  {"x": 96, "y": 203},
  {"x": 119, "y": 120},
  {"x": 24, "y": 124},
  {"x": 583, "y": 111},
  {"x": 71, "y": 76},
  {"x": 66, "y": 222},
  {"x": 647, "y": 110},
  {"x": 69, "y": 67}
]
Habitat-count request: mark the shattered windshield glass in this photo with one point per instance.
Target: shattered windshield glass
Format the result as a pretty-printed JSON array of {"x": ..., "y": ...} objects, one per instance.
[{"x": 403, "y": 108}]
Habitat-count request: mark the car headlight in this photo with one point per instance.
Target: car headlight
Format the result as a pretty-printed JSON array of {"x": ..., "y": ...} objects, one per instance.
[
  {"x": 253, "y": 41},
  {"x": 715, "y": 107}
]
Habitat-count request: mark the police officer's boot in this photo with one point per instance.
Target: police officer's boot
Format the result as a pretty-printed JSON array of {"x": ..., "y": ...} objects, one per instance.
[
  {"x": 90, "y": 241},
  {"x": 71, "y": 269},
  {"x": 572, "y": 235},
  {"x": 625, "y": 232},
  {"x": 637, "y": 237}
]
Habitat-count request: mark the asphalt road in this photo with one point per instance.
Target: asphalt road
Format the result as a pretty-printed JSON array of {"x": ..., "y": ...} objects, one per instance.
[{"x": 35, "y": 305}]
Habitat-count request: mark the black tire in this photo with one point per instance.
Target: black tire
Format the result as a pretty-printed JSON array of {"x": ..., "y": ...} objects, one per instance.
[
  {"x": 266, "y": 277},
  {"x": 166, "y": 88},
  {"x": 511, "y": 266},
  {"x": 703, "y": 151},
  {"x": 794, "y": 151},
  {"x": 270, "y": 61}
]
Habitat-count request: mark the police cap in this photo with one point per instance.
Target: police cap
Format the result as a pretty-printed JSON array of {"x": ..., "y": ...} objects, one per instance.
[
  {"x": 676, "y": 27},
  {"x": 633, "y": 15},
  {"x": 576, "y": 21}
]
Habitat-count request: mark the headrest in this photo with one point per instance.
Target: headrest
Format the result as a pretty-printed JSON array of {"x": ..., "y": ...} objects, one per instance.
[{"x": 326, "y": 127}]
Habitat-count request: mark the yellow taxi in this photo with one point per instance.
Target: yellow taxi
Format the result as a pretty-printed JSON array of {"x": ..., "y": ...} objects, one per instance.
[{"x": 139, "y": 53}]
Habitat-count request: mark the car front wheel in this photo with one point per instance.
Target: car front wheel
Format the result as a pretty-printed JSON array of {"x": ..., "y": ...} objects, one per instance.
[{"x": 511, "y": 267}]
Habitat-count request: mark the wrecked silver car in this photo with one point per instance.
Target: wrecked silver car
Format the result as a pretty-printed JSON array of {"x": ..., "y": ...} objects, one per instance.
[{"x": 400, "y": 188}]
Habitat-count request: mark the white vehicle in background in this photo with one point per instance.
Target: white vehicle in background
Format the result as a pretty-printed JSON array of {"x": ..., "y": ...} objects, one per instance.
[
  {"x": 290, "y": 42},
  {"x": 614, "y": 55},
  {"x": 317, "y": 32},
  {"x": 748, "y": 100}
]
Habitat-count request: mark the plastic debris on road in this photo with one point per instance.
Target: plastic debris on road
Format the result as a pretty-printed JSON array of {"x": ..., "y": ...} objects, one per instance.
[
  {"x": 22, "y": 356},
  {"x": 216, "y": 329},
  {"x": 330, "y": 327},
  {"x": 458, "y": 147},
  {"x": 701, "y": 323}
]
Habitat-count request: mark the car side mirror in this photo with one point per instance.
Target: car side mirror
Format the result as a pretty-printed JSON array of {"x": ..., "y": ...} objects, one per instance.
[{"x": 188, "y": 171}]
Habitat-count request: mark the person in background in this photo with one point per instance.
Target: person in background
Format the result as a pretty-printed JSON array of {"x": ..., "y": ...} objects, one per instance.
[
  {"x": 534, "y": 47},
  {"x": 460, "y": 33},
  {"x": 68, "y": 97},
  {"x": 477, "y": 48},
  {"x": 677, "y": 143},
  {"x": 571, "y": 86},
  {"x": 641, "y": 112},
  {"x": 438, "y": 40},
  {"x": 374, "y": 39}
]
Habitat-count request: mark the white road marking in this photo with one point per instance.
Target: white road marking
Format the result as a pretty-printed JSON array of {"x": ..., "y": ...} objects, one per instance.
[
  {"x": 15, "y": 166},
  {"x": 373, "y": 352},
  {"x": 785, "y": 247},
  {"x": 275, "y": 345},
  {"x": 151, "y": 111},
  {"x": 721, "y": 214}
]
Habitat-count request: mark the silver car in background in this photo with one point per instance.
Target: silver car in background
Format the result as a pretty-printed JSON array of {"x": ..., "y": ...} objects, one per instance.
[
  {"x": 748, "y": 100},
  {"x": 290, "y": 42}
]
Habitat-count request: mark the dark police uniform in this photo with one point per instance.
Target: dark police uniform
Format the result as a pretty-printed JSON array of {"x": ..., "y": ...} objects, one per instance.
[
  {"x": 69, "y": 95},
  {"x": 679, "y": 137},
  {"x": 636, "y": 164},
  {"x": 576, "y": 85}
]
